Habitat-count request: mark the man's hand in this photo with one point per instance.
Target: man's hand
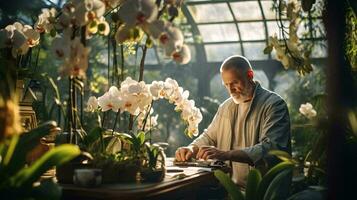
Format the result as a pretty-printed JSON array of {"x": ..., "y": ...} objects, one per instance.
[
  {"x": 211, "y": 152},
  {"x": 185, "y": 153}
]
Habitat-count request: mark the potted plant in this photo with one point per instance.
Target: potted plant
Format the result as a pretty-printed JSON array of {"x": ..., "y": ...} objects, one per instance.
[{"x": 154, "y": 169}]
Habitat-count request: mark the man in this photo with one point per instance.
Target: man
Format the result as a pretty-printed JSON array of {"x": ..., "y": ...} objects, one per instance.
[{"x": 247, "y": 125}]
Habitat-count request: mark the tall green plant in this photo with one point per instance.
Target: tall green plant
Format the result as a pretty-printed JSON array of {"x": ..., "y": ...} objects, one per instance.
[
  {"x": 17, "y": 179},
  {"x": 258, "y": 187}
]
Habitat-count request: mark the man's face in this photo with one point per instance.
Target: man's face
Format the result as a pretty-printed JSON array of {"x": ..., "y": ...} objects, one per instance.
[{"x": 237, "y": 85}]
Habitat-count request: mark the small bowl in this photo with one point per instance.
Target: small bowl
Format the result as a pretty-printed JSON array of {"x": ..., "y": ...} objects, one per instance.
[{"x": 87, "y": 177}]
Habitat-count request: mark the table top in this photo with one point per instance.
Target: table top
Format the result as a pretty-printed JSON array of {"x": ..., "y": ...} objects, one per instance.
[{"x": 174, "y": 185}]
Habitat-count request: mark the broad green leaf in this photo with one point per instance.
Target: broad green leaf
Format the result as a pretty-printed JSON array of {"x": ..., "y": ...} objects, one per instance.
[
  {"x": 26, "y": 143},
  {"x": 229, "y": 185},
  {"x": 10, "y": 151},
  {"x": 282, "y": 155},
  {"x": 141, "y": 137},
  {"x": 93, "y": 136},
  {"x": 55, "y": 157},
  {"x": 273, "y": 188},
  {"x": 253, "y": 180},
  {"x": 270, "y": 175}
]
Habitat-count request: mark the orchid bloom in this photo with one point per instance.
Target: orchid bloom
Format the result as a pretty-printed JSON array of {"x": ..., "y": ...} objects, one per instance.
[
  {"x": 61, "y": 47},
  {"x": 307, "y": 110},
  {"x": 171, "y": 40},
  {"x": 92, "y": 104},
  {"x": 126, "y": 33},
  {"x": 183, "y": 56},
  {"x": 136, "y": 94},
  {"x": 19, "y": 37},
  {"x": 77, "y": 62},
  {"x": 45, "y": 21},
  {"x": 138, "y": 12},
  {"x": 111, "y": 100}
]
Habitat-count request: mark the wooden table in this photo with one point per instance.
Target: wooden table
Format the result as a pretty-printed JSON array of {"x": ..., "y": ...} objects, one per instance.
[{"x": 199, "y": 184}]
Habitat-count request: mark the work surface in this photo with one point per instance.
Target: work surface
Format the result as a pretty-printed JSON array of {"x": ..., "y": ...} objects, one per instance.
[{"x": 197, "y": 183}]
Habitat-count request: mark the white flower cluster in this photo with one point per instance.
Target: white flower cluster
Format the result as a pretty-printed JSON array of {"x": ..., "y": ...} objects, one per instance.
[
  {"x": 19, "y": 38},
  {"x": 307, "y": 110},
  {"x": 142, "y": 14},
  {"x": 291, "y": 55},
  {"x": 73, "y": 54},
  {"x": 135, "y": 97}
]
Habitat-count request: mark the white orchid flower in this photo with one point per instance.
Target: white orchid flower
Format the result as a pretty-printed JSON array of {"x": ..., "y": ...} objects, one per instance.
[
  {"x": 111, "y": 100},
  {"x": 171, "y": 40},
  {"x": 155, "y": 88},
  {"x": 32, "y": 36},
  {"x": 61, "y": 47},
  {"x": 77, "y": 62},
  {"x": 192, "y": 130},
  {"x": 130, "y": 104},
  {"x": 179, "y": 95},
  {"x": 45, "y": 21},
  {"x": 127, "y": 33},
  {"x": 183, "y": 56},
  {"x": 138, "y": 12},
  {"x": 307, "y": 110},
  {"x": 92, "y": 104},
  {"x": 103, "y": 27},
  {"x": 156, "y": 28},
  {"x": 185, "y": 104}
]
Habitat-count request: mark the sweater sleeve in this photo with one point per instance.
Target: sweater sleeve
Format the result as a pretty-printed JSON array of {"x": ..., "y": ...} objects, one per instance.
[{"x": 275, "y": 133}]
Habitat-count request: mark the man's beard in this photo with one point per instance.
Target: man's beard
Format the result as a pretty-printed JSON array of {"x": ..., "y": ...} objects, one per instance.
[{"x": 241, "y": 98}]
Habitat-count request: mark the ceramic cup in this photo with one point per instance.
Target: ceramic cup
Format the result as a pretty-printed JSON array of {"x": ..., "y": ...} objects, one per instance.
[{"x": 87, "y": 177}]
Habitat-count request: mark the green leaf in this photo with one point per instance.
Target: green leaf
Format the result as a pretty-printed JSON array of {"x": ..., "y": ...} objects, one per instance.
[
  {"x": 93, "y": 136},
  {"x": 55, "y": 157},
  {"x": 282, "y": 155},
  {"x": 253, "y": 180},
  {"x": 270, "y": 175},
  {"x": 273, "y": 188},
  {"x": 229, "y": 185},
  {"x": 26, "y": 143},
  {"x": 141, "y": 137},
  {"x": 10, "y": 151}
]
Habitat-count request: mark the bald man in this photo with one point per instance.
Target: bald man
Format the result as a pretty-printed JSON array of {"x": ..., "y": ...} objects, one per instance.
[{"x": 247, "y": 125}]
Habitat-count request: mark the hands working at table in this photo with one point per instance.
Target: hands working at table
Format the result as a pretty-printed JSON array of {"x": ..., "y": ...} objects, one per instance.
[
  {"x": 204, "y": 152},
  {"x": 211, "y": 152}
]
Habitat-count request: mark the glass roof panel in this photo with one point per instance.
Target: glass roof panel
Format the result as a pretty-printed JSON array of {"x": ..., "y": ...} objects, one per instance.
[
  {"x": 247, "y": 10},
  {"x": 252, "y": 30},
  {"x": 317, "y": 29},
  {"x": 150, "y": 58},
  {"x": 267, "y": 9},
  {"x": 219, "y": 52},
  {"x": 273, "y": 27},
  {"x": 217, "y": 12},
  {"x": 254, "y": 50},
  {"x": 218, "y": 32}
]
